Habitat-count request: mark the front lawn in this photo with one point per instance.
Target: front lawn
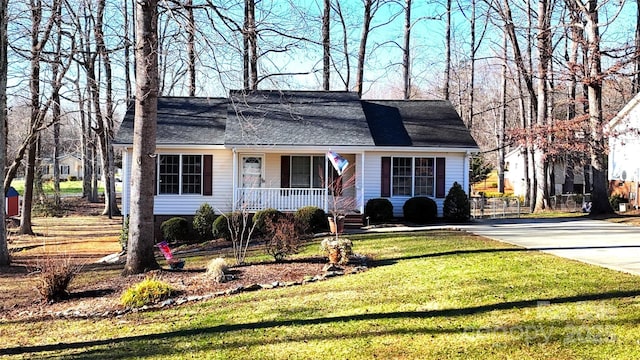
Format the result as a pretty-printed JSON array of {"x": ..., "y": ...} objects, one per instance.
[{"x": 434, "y": 295}]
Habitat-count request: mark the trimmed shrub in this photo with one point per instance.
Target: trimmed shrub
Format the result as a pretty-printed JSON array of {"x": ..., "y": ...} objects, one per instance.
[
  {"x": 616, "y": 199},
  {"x": 203, "y": 221},
  {"x": 312, "y": 219},
  {"x": 216, "y": 269},
  {"x": 54, "y": 277},
  {"x": 262, "y": 217},
  {"x": 456, "y": 205},
  {"x": 221, "y": 224},
  {"x": 148, "y": 291},
  {"x": 176, "y": 228},
  {"x": 283, "y": 236},
  {"x": 378, "y": 210},
  {"x": 420, "y": 210}
]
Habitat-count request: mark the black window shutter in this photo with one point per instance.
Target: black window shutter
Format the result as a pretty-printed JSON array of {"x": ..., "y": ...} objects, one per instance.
[
  {"x": 285, "y": 168},
  {"x": 207, "y": 175},
  {"x": 440, "y": 177},
  {"x": 385, "y": 177}
]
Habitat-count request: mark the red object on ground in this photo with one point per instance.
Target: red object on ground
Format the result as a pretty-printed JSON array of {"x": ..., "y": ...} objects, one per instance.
[{"x": 12, "y": 202}]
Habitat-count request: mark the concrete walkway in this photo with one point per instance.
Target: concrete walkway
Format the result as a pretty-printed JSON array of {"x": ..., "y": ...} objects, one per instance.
[{"x": 602, "y": 243}]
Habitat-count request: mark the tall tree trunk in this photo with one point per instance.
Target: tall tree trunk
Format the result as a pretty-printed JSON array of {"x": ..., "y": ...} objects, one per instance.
[
  {"x": 191, "y": 51},
  {"x": 362, "y": 51},
  {"x": 4, "y": 248},
  {"x": 503, "y": 115},
  {"x": 447, "y": 47},
  {"x": 140, "y": 255},
  {"x": 326, "y": 46},
  {"x": 472, "y": 61},
  {"x": 346, "y": 79},
  {"x": 251, "y": 45},
  {"x": 56, "y": 113},
  {"x": 105, "y": 123},
  {"x": 599, "y": 195},
  {"x": 636, "y": 78},
  {"x": 127, "y": 51},
  {"x": 406, "y": 56},
  {"x": 544, "y": 53}
]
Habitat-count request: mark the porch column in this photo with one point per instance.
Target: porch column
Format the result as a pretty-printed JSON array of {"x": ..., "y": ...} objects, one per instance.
[
  {"x": 465, "y": 174},
  {"x": 326, "y": 182},
  {"x": 234, "y": 179},
  {"x": 361, "y": 167}
]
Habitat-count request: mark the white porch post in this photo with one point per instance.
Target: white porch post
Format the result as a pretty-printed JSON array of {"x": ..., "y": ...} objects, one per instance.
[
  {"x": 326, "y": 182},
  {"x": 126, "y": 183},
  {"x": 361, "y": 183},
  {"x": 234, "y": 179},
  {"x": 465, "y": 176}
]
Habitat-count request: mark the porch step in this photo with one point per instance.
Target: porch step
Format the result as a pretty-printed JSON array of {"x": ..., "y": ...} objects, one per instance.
[{"x": 353, "y": 221}]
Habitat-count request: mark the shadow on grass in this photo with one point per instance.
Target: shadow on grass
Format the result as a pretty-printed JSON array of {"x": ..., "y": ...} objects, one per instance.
[
  {"x": 394, "y": 260},
  {"x": 141, "y": 345}
]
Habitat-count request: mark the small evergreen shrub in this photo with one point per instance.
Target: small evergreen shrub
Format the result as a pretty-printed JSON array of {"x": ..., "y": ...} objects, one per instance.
[
  {"x": 176, "y": 228},
  {"x": 262, "y": 217},
  {"x": 617, "y": 199},
  {"x": 420, "y": 210},
  {"x": 221, "y": 224},
  {"x": 283, "y": 236},
  {"x": 216, "y": 269},
  {"x": 54, "y": 277},
  {"x": 456, "y": 205},
  {"x": 72, "y": 178},
  {"x": 378, "y": 210},
  {"x": 312, "y": 219},
  {"x": 203, "y": 221},
  {"x": 148, "y": 291}
]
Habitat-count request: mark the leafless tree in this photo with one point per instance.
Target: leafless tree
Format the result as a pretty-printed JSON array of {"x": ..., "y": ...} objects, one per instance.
[
  {"x": 140, "y": 256},
  {"x": 4, "y": 249}
]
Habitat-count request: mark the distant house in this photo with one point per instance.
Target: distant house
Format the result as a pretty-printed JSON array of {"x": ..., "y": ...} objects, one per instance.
[
  {"x": 267, "y": 149},
  {"x": 515, "y": 175},
  {"x": 624, "y": 147},
  {"x": 69, "y": 165}
]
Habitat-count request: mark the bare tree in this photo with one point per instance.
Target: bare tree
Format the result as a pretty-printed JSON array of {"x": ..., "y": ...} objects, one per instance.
[
  {"x": 140, "y": 256},
  {"x": 326, "y": 45},
  {"x": 447, "y": 45},
  {"x": 4, "y": 249},
  {"x": 406, "y": 56}
]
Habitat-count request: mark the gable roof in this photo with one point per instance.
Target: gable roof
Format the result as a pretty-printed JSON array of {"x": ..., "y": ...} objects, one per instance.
[
  {"x": 304, "y": 118},
  {"x": 183, "y": 120},
  {"x": 424, "y": 123},
  {"x": 270, "y": 117}
]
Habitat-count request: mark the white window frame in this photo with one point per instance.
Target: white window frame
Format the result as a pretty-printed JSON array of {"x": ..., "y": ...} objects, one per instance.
[
  {"x": 180, "y": 174},
  {"x": 413, "y": 176}
]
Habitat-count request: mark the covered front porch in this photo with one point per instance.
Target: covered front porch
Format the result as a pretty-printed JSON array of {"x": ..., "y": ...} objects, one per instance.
[{"x": 287, "y": 181}]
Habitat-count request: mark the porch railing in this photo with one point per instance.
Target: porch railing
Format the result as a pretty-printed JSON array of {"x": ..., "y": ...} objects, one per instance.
[{"x": 283, "y": 199}]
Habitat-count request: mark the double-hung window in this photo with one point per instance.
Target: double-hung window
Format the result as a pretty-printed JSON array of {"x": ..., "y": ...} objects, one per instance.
[
  {"x": 307, "y": 171},
  {"x": 413, "y": 176},
  {"x": 180, "y": 174}
]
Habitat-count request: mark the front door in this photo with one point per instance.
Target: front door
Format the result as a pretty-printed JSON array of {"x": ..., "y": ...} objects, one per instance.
[{"x": 252, "y": 171}]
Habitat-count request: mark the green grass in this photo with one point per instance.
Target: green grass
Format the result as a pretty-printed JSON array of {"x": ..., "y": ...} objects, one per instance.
[
  {"x": 66, "y": 187},
  {"x": 438, "y": 295}
]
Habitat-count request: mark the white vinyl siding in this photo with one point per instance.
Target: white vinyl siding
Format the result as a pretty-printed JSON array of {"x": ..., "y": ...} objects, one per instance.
[{"x": 454, "y": 172}]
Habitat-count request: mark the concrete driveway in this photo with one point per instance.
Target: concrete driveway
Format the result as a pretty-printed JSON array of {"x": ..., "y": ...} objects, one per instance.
[{"x": 614, "y": 246}]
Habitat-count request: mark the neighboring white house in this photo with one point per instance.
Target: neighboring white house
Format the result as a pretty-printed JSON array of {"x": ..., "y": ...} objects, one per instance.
[
  {"x": 267, "y": 149},
  {"x": 515, "y": 166},
  {"x": 624, "y": 147},
  {"x": 70, "y": 166}
]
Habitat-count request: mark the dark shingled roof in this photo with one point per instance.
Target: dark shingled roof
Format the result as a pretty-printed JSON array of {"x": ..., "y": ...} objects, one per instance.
[
  {"x": 416, "y": 123},
  {"x": 183, "y": 120},
  {"x": 297, "y": 118},
  {"x": 324, "y": 118}
]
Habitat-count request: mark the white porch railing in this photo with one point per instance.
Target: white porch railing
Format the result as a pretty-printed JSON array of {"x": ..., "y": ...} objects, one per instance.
[{"x": 283, "y": 199}]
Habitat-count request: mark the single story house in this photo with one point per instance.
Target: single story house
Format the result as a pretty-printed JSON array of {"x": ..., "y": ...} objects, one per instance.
[
  {"x": 265, "y": 148},
  {"x": 624, "y": 146},
  {"x": 69, "y": 165},
  {"x": 515, "y": 175}
]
